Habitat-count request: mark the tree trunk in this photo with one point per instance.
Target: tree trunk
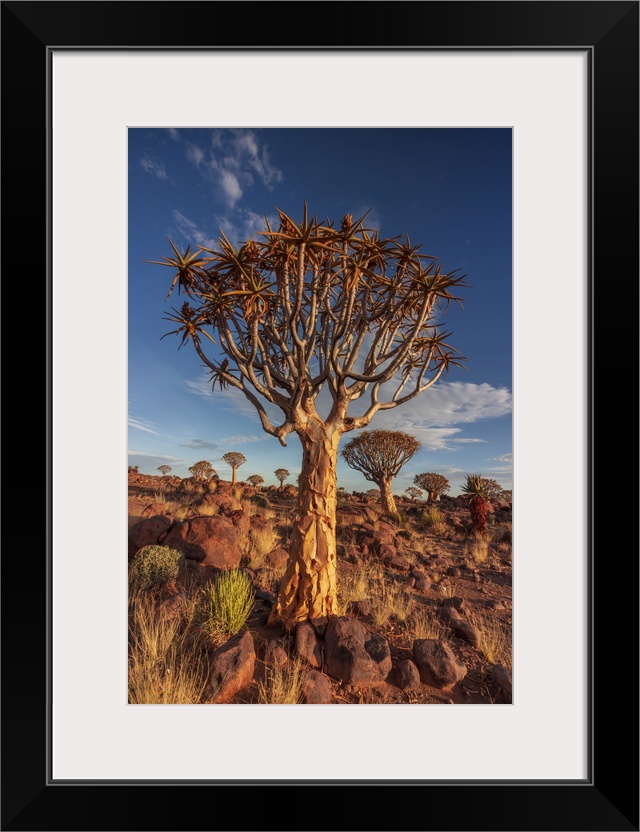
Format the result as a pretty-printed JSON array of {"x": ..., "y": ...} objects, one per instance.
[
  {"x": 386, "y": 495},
  {"x": 233, "y": 476},
  {"x": 308, "y": 588}
]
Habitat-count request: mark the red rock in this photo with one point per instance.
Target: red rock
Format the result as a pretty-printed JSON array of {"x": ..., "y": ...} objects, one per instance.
[
  {"x": 437, "y": 663},
  {"x": 278, "y": 558},
  {"x": 354, "y": 656},
  {"x": 232, "y": 667},
  {"x": 407, "y": 675},
  {"x": 308, "y": 645},
  {"x": 213, "y": 541},
  {"x": 148, "y": 532},
  {"x": 275, "y": 654},
  {"x": 316, "y": 688}
]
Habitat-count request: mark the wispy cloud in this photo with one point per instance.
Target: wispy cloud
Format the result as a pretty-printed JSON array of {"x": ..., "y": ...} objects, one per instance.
[
  {"x": 154, "y": 166},
  {"x": 232, "y": 399},
  {"x": 189, "y": 229},
  {"x": 143, "y": 424},
  {"x": 233, "y": 162},
  {"x": 502, "y": 458},
  {"x": 163, "y": 457},
  {"x": 199, "y": 445},
  {"x": 174, "y": 134},
  {"x": 434, "y": 415},
  {"x": 243, "y": 440}
]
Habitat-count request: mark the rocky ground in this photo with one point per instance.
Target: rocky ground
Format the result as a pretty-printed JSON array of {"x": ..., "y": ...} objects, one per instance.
[{"x": 425, "y": 604}]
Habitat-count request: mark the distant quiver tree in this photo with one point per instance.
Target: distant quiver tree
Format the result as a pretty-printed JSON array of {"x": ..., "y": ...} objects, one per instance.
[
  {"x": 311, "y": 307},
  {"x": 202, "y": 470},
  {"x": 164, "y": 469},
  {"x": 234, "y": 460},
  {"x": 281, "y": 475},
  {"x": 433, "y": 484},
  {"x": 413, "y": 492},
  {"x": 256, "y": 480},
  {"x": 379, "y": 455}
]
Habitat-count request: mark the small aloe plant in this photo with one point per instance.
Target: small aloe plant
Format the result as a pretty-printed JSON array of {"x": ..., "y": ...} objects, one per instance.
[{"x": 475, "y": 488}]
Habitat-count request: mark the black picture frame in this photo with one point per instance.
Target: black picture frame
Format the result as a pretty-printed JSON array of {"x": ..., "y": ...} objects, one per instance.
[{"x": 608, "y": 798}]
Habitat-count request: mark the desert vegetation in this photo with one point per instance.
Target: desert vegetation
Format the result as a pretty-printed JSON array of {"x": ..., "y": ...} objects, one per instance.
[
  {"x": 422, "y": 590},
  {"x": 326, "y": 597},
  {"x": 379, "y": 455}
]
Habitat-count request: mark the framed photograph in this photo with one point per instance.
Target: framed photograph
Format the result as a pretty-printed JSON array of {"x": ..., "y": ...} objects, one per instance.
[{"x": 562, "y": 80}]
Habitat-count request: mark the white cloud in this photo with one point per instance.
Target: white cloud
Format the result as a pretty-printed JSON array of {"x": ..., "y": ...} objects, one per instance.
[
  {"x": 199, "y": 444},
  {"x": 154, "y": 167},
  {"x": 230, "y": 187},
  {"x": 174, "y": 134},
  {"x": 502, "y": 458},
  {"x": 233, "y": 161},
  {"x": 189, "y": 229},
  {"x": 142, "y": 424},
  {"x": 164, "y": 457},
  {"x": 195, "y": 154},
  {"x": 242, "y": 440}
]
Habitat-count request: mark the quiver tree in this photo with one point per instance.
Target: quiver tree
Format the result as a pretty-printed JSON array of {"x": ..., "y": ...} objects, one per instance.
[
  {"x": 492, "y": 489},
  {"x": 256, "y": 480},
  {"x": 413, "y": 492},
  {"x": 281, "y": 475},
  {"x": 475, "y": 488},
  {"x": 311, "y": 307},
  {"x": 433, "y": 484},
  {"x": 379, "y": 455},
  {"x": 164, "y": 469},
  {"x": 234, "y": 460},
  {"x": 202, "y": 470}
]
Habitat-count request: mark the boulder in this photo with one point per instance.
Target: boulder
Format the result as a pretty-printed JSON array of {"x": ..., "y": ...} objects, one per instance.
[
  {"x": 275, "y": 654},
  {"x": 148, "y": 532},
  {"x": 437, "y": 663},
  {"x": 278, "y": 558},
  {"x": 501, "y": 675},
  {"x": 232, "y": 667},
  {"x": 407, "y": 675},
  {"x": 213, "y": 541},
  {"x": 353, "y": 655},
  {"x": 308, "y": 645},
  {"x": 240, "y": 520},
  {"x": 316, "y": 688}
]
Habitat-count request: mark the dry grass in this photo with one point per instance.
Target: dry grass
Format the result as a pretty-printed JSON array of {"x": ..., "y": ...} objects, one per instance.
[
  {"x": 478, "y": 550},
  {"x": 432, "y": 521},
  {"x": 391, "y": 600},
  {"x": 352, "y": 586},
  {"x": 424, "y": 624},
  {"x": 399, "y": 602},
  {"x": 167, "y": 658},
  {"x": 494, "y": 641},
  {"x": 283, "y": 685},
  {"x": 208, "y": 510}
]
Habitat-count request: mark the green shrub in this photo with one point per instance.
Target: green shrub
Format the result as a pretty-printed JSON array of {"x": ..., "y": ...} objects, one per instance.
[
  {"x": 155, "y": 565},
  {"x": 228, "y": 602},
  {"x": 260, "y": 501},
  {"x": 431, "y": 517}
]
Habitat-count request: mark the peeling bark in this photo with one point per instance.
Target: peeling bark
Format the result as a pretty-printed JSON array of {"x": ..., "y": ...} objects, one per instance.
[
  {"x": 308, "y": 588},
  {"x": 387, "y": 498}
]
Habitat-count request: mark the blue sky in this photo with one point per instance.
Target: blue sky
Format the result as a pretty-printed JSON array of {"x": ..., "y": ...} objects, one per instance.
[{"x": 447, "y": 189}]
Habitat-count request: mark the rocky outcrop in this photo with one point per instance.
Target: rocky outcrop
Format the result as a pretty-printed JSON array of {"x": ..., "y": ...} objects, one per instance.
[
  {"x": 437, "y": 663},
  {"x": 353, "y": 655},
  {"x": 212, "y": 541}
]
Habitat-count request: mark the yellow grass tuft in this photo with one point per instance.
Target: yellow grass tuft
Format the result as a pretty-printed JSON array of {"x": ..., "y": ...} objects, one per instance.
[
  {"x": 167, "y": 658},
  {"x": 283, "y": 685}
]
